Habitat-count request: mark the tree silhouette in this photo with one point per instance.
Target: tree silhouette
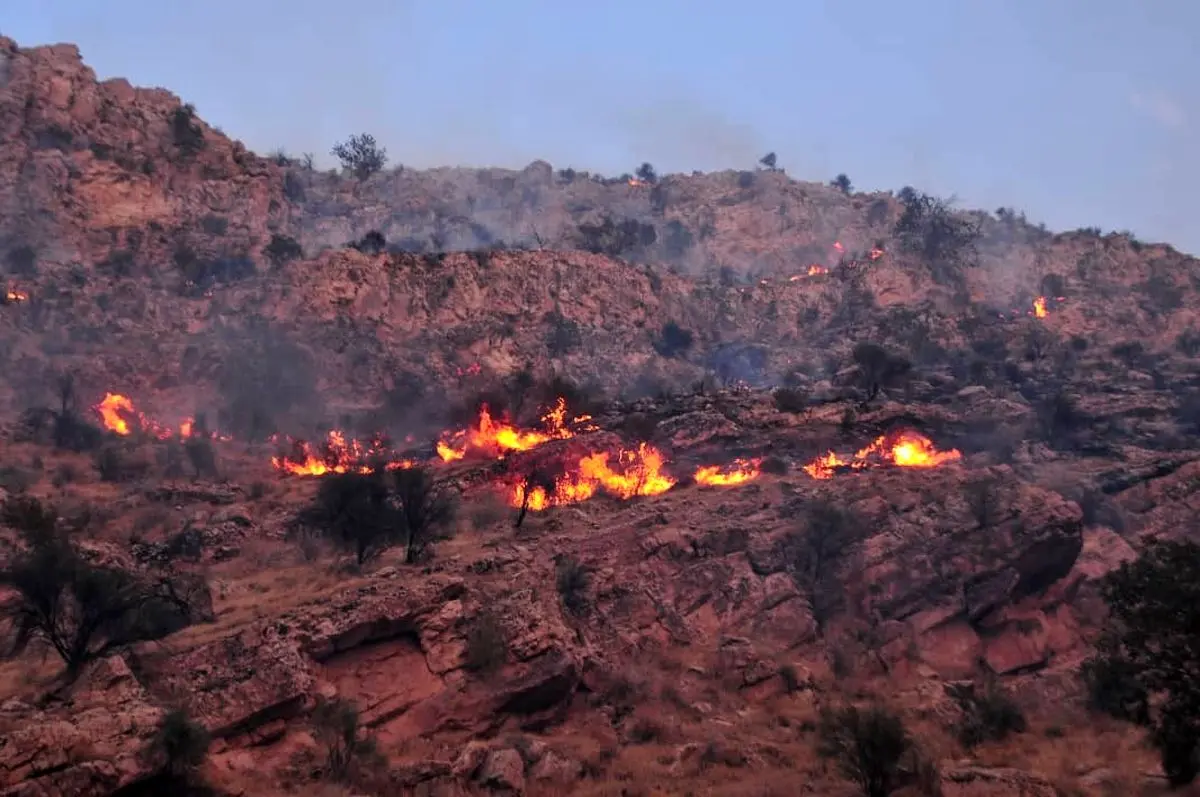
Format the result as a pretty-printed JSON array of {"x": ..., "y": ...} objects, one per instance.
[
  {"x": 867, "y": 744},
  {"x": 361, "y": 155}
]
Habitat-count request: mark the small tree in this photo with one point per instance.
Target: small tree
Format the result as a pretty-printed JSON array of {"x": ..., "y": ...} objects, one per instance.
[
  {"x": 424, "y": 507},
  {"x": 177, "y": 749},
  {"x": 572, "y": 580},
  {"x": 1149, "y": 654},
  {"x": 646, "y": 173},
  {"x": 533, "y": 481},
  {"x": 811, "y": 555},
  {"x": 867, "y": 745},
  {"x": 842, "y": 183},
  {"x": 82, "y": 610},
  {"x": 768, "y": 161},
  {"x": 878, "y": 368},
  {"x": 337, "y": 727},
  {"x": 360, "y": 155},
  {"x": 355, "y": 511}
]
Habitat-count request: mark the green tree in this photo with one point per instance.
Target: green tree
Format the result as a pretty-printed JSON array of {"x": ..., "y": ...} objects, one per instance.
[{"x": 1147, "y": 668}]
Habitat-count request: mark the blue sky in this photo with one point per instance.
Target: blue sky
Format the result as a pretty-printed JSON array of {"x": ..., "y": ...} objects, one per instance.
[{"x": 1079, "y": 112}]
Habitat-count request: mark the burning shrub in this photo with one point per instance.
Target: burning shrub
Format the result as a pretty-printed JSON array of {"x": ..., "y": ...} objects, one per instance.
[
  {"x": 82, "y": 610},
  {"x": 282, "y": 249},
  {"x": 361, "y": 155},
  {"x": 867, "y": 745},
  {"x": 673, "y": 340}
]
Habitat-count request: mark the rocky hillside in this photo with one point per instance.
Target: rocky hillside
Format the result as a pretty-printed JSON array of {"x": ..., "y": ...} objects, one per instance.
[{"x": 713, "y": 563}]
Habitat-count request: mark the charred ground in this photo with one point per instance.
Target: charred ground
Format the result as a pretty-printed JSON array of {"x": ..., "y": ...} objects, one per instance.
[{"x": 659, "y": 641}]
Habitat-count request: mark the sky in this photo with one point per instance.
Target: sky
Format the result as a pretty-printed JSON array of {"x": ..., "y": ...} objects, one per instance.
[{"x": 1080, "y": 113}]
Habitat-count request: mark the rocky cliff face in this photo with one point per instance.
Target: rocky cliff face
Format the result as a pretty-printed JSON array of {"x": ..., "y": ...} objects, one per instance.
[{"x": 682, "y": 637}]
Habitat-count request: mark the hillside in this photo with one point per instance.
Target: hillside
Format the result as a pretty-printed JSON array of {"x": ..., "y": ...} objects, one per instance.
[{"x": 1023, "y": 404}]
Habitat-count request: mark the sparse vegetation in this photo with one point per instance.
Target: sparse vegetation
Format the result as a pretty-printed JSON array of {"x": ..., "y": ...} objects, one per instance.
[
  {"x": 842, "y": 183},
  {"x": 487, "y": 647},
  {"x": 930, "y": 229},
  {"x": 868, "y": 746},
  {"x": 768, "y": 161},
  {"x": 361, "y": 155},
  {"x": 349, "y": 753},
  {"x": 177, "y": 749},
  {"x": 646, "y": 174},
  {"x": 572, "y": 580},
  {"x": 1147, "y": 659},
  {"x": 791, "y": 399},
  {"x": 673, "y": 340},
  {"x": 988, "y": 714},
  {"x": 282, "y": 249},
  {"x": 812, "y": 553},
  {"x": 878, "y": 368},
  {"x": 186, "y": 131}
]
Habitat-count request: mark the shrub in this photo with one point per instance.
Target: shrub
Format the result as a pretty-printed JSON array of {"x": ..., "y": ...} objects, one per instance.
[
  {"x": 930, "y": 229},
  {"x": 355, "y": 512},
  {"x": 646, "y": 173},
  {"x": 987, "y": 715},
  {"x": 177, "y": 748},
  {"x": 842, "y": 183},
  {"x": 812, "y": 553},
  {"x": 791, "y": 399},
  {"x": 768, "y": 161},
  {"x": 425, "y": 507},
  {"x": 572, "y": 580},
  {"x": 337, "y": 728},
  {"x": 202, "y": 455},
  {"x": 563, "y": 336},
  {"x": 673, "y": 340},
  {"x": 487, "y": 648},
  {"x": 1149, "y": 652},
  {"x": 82, "y": 610},
  {"x": 878, "y": 368},
  {"x": 361, "y": 155},
  {"x": 373, "y": 243},
  {"x": 984, "y": 501},
  {"x": 185, "y": 131},
  {"x": 282, "y": 249},
  {"x": 867, "y": 745}
]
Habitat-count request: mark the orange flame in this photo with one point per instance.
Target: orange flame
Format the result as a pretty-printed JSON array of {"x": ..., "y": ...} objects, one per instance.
[
  {"x": 497, "y": 438},
  {"x": 639, "y": 473},
  {"x": 813, "y": 271},
  {"x": 337, "y": 455},
  {"x": 13, "y": 295},
  {"x": 905, "y": 450},
  {"x": 1039, "y": 307},
  {"x": 636, "y": 182},
  {"x": 740, "y": 472},
  {"x": 115, "y": 411}
]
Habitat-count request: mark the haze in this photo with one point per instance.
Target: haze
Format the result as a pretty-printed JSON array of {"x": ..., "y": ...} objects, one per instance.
[{"x": 1078, "y": 113}]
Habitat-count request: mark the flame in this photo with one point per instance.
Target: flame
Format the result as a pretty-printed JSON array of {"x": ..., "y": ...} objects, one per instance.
[
  {"x": 14, "y": 295},
  {"x": 813, "y": 271},
  {"x": 115, "y": 411},
  {"x": 838, "y": 246},
  {"x": 500, "y": 437},
  {"x": 1039, "y": 307},
  {"x": 740, "y": 472},
  {"x": 875, "y": 253},
  {"x": 905, "y": 450},
  {"x": 636, "y": 182},
  {"x": 337, "y": 455},
  {"x": 639, "y": 472}
]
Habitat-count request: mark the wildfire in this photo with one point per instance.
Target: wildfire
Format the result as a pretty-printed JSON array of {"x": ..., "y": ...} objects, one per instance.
[
  {"x": 13, "y": 295},
  {"x": 813, "y": 271},
  {"x": 906, "y": 450},
  {"x": 497, "y": 438},
  {"x": 119, "y": 416},
  {"x": 639, "y": 472},
  {"x": 1039, "y": 307},
  {"x": 739, "y": 472},
  {"x": 337, "y": 455},
  {"x": 635, "y": 182}
]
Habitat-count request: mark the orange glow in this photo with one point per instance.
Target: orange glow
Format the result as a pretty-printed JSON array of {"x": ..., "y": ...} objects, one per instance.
[
  {"x": 115, "y": 413},
  {"x": 905, "y": 450},
  {"x": 496, "y": 438},
  {"x": 337, "y": 455},
  {"x": 14, "y": 295},
  {"x": 738, "y": 472},
  {"x": 1039, "y": 307},
  {"x": 638, "y": 472}
]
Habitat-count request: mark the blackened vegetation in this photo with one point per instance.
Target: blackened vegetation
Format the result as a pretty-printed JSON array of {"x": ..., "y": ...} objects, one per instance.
[
  {"x": 282, "y": 249},
  {"x": 373, "y": 243},
  {"x": 64, "y": 427},
  {"x": 201, "y": 274},
  {"x": 367, "y": 513},
  {"x": 185, "y": 131},
  {"x": 1059, "y": 420},
  {"x": 572, "y": 579},
  {"x": 563, "y": 335},
  {"x": 988, "y": 714},
  {"x": 1145, "y": 667},
  {"x": 536, "y": 478},
  {"x": 878, "y": 368},
  {"x": 174, "y": 753},
  {"x": 930, "y": 229},
  {"x": 83, "y": 611},
  {"x": 361, "y": 155},
  {"x": 615, "y": 238},
  {"x": 673, "y": 340},
  {"x": 813, "y": 553}
]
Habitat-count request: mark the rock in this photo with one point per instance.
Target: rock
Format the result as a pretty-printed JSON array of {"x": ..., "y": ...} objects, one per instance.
[{"x": 503, "y": 769}]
